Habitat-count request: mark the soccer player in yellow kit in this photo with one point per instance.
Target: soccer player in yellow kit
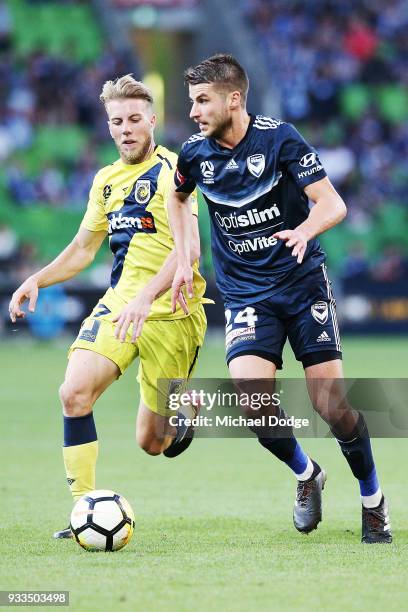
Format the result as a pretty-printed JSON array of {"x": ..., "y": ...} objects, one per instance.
[{"x": 128, "y": 202}]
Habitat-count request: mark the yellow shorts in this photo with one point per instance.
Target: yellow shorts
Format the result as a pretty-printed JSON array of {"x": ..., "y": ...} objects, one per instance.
[{"x": 167, "y": 348}]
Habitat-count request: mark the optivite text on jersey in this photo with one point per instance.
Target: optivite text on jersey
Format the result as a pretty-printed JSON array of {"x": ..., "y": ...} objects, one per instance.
[{"x": 255, "y": 244}]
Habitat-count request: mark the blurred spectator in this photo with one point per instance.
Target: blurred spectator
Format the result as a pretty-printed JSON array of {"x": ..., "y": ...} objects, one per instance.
[
  {"x": 80, "y": 180},
  {"x": 21, "y": 187},
  {"x": 5, "y": 27},
  {"x": 51, "y": 186},
  {"x": 393, "y": 265},
  {"x": 336, "y": 155},
  {"x": 99, "y": 275},
  {"x": 360, "y": 40},
  {"x": 356, "y": 263},
  {"x": 6, "y": 143},
  {"x": 8, "y": 244},
  {"x": 26, "y": 262}
]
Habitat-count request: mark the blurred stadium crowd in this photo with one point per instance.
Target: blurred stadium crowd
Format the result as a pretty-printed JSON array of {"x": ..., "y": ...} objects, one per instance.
[
  {"x": 53, "y": 134},
  {"x": 340, "y": 68}
]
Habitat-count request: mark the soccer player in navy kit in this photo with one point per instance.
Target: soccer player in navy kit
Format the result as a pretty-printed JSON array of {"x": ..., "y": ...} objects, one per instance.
[{"x": 257, "y": 175}]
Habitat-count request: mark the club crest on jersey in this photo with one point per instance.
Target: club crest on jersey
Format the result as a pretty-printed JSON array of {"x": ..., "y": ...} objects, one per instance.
[
  {"x": 320, "y": 312},
  {"x": 107, "y": 192},
  {"x": 256, "y": 164},
  {"x": 142, "y": 191}
]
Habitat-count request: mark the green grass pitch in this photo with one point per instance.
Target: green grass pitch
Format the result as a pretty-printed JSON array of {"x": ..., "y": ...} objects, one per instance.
[{"x": 213, "y": 527}]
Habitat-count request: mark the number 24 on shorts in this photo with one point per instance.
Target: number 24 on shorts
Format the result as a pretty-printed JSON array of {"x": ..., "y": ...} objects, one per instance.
[{"x": 246, "y": 317}]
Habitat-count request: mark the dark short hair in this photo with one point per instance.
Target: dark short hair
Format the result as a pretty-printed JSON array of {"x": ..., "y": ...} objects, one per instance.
[{"x": 222, "y": 69}]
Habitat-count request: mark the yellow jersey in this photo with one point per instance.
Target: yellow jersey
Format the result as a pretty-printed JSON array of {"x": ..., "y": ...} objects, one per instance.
[{"x": 130, "y": 203}]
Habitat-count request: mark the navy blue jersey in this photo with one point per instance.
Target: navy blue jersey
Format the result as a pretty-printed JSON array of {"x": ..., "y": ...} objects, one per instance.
[{"x": 252, "y": 191}]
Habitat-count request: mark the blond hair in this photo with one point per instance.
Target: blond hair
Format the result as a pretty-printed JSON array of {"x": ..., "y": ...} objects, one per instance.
[{"x": 125, "y": 87}]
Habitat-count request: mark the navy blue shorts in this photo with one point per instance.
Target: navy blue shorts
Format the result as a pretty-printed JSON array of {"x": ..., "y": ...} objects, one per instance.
[{"x": 305, "y": 313}]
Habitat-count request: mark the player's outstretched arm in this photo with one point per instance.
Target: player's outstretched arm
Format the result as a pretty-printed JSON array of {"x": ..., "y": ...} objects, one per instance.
[
  {"x": 180, "y": 223},
  {"x": 137, "y": 310},
  {"x": 74, "y": 258},
  {"x": 328, "y": 210}
]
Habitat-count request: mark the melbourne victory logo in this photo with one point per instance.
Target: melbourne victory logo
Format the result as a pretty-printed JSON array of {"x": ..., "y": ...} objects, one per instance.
[{"x": 256, "y": 164}]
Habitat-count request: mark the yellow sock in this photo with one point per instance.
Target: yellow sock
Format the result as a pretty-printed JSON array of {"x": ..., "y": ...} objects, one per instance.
[{"x": 80, "y": 464}]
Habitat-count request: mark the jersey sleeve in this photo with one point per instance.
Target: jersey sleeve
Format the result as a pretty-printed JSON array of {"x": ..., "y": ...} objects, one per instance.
[
  {"x": 182, "y": 177},
  {"x": 167, "y": 185},
  {"x": 299, "y": 157},
  {"x": 95, "y": 218}
]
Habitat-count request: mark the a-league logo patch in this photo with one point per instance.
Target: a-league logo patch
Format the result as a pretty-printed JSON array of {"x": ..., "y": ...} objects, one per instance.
[
  {"x": 207, "y": 170},
  {"x": 320, "y": 312},
  {"x": 142, "y": 191},
  {"x": 256, "y": 164}
]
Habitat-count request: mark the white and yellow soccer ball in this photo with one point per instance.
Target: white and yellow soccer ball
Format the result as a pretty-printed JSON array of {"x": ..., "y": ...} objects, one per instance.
[{"x": 102, "y": 520}]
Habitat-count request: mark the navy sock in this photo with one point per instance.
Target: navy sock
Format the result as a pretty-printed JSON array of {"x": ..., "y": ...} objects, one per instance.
[
  {"x": 79, "y": 430},
  {"x": 369, "y": 485},
  {"x": 358, "y": 454},
  {"x": 287, "y": 450},
  {"x": 281, "y": 442}
]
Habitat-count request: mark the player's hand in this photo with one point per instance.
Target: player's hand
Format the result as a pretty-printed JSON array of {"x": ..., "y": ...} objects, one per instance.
[
  {"x": 135, "y": 312},
  {"x": 27, "y": 291},
  {"x": 294, "y": 238},
  {"x": 183, "y": 277}
]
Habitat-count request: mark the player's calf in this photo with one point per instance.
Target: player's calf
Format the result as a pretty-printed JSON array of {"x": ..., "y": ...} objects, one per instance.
[
  {"x": 329, "y": 397},
  {"x": 80, "y": 447},
  {"x": 150, "y": 443},
  {"x": 157, "y": 434},
  {"x": 169, "y": 446}
]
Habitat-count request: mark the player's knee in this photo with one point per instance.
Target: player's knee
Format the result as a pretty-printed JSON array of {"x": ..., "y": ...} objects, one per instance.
[
  {"x": 331, "y": 407},
  {"x": 75, "y": 402}
]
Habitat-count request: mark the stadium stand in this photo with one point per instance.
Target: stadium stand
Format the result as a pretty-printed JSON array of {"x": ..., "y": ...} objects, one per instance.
[
  {"x": 341, "y": 70},
  {"x": 53, "y": 133}
]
